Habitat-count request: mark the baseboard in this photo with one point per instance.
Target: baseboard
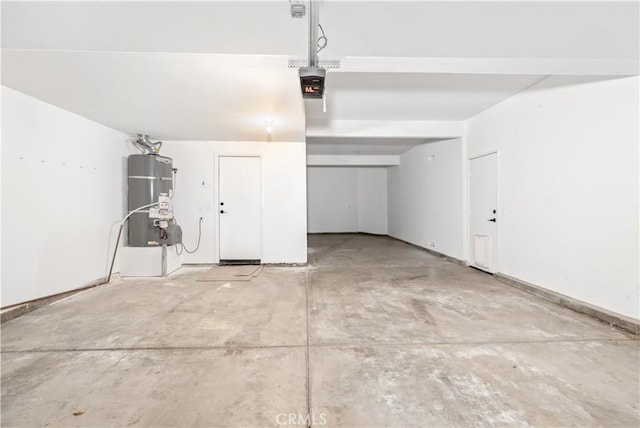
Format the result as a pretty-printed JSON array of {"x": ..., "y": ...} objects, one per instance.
[
  {"x": 432, "y": 252},
  {"x": 17, "y": 310},
  {"x": 300, "y": 264},
  {"x": 444, "y": 256},
  {"x": 199, "y": 264},
  {"x": 333, "y": 233},
  {"x": 620, "y": 321},
  {"x": 347, "y": 233},
  {"x": 239, "y": 262}
]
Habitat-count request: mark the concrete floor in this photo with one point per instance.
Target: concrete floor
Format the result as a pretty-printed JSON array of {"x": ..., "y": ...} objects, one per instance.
[{"x": 373, "y": 333}]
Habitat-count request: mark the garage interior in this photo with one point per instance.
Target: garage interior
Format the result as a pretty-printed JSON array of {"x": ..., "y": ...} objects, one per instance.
[{"x": 320, "y": 213}]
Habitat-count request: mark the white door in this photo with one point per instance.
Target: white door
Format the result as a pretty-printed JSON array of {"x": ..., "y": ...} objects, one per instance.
[
  {"x": 239, "y": 205},
  {"x": 483, "y": 212}
]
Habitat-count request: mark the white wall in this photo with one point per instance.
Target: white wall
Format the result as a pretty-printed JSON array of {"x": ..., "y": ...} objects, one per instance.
[
  {"x": 284, "y": 214},
  {"x": 62, "y": 189},
  {"x": 568, "y": 154},
  {"x": 426, "y": 197},
  {"x": 372, "y": 200},
  {"x": 347, "y": 199},
  {"x": 332, "y": 199}
]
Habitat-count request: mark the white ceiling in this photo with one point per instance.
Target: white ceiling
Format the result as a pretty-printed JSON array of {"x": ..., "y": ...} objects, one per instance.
[
  {"x": 222, "y": 27},
  {"x": 464, "y": 29},
  {"x": 168, "y": 96},
  {"x": 217, "y": 70}
]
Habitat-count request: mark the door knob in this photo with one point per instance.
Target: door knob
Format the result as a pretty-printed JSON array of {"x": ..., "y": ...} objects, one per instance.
[{"x": 492, "y": 219}]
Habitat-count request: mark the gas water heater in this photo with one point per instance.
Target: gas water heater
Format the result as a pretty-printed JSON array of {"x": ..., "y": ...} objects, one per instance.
[{"x": 151, "y": 183}]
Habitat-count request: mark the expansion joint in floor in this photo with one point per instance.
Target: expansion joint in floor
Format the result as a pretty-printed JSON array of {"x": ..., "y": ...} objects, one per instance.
[
  {"x": 155, "y": 348},
  {"x": 309, "y": 346}
]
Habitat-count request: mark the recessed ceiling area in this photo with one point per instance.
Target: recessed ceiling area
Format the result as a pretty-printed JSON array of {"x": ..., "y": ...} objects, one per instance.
[
  {"x": 363, "y": 146},
  {"x": 414, "y": 96}
]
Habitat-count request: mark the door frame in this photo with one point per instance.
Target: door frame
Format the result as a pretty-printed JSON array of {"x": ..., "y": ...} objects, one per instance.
[
  {"x": 469, "y": 237},
  {"x": 216, "y": 198}
]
